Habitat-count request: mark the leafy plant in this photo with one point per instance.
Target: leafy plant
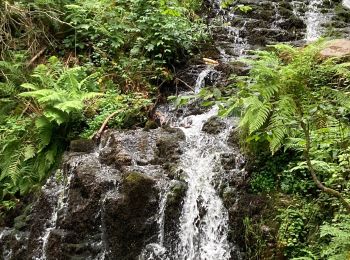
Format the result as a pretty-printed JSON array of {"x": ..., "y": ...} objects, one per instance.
[
  {"x": 286, "y": 102},
  {"x": 39, "y": 124},
  {"x": 298, "y": 229},
  {"x": 339, "y": 234},
  {"x": 130, "y": 109}
]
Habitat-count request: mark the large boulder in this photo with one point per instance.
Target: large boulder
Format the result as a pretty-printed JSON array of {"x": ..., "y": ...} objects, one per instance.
[
  {"x": 336, "y": 49},
  {"x": 103, "y": 203},
  {"x": 129, "y": 220}
]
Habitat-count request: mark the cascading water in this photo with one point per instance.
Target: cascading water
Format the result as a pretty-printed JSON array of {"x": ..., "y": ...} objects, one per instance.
[
  {"x": 314, "y": 19},
  {"x": 229, "y": 39},
  {"x": 208, "y": 73},
  {"x": 346, "y": 3},
  {"x": 58, "y": 192},
  {"x": 278, "y": 19},
  {"x": 204, "y": 220},
  {"x": 203, "y": 226},
  {"x": 157, "y": 250},
  {"x": 94, "y": 214}
]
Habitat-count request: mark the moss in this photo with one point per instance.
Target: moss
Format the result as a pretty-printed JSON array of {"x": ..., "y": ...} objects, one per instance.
[
  {"x": 214, "y": 125},
  {"x": 20, "y": 222},
  {"x": 135, "y": 178},
  {"x": 137, "y": 184},
  {"x": 150, "y": 124},
  {"x": 177, "y": 192},
  {"x": 82, "y": 145}
]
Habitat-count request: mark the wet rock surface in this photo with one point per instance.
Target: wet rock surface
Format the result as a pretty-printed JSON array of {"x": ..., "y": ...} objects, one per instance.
[
  {"x": 173, "y": 211},
  {"x": 129, "y": 222},
  {"x": 104, "y": 201},
  {"x": 214, "y": 125},
  {"x": 101, "y": 204}
]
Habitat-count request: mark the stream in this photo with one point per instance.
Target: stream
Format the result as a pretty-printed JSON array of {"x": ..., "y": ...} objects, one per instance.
[{"x": 170, "y": 193}]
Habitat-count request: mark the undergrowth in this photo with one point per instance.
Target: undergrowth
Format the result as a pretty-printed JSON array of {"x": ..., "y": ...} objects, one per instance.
[{"x": 66, "y": 66}]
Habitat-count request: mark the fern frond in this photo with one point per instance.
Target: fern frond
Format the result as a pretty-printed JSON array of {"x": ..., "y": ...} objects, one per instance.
[
  {"x": 250, "y": 105},
  {"x": 261, "y": 115},
  {"x": 279, "y": 133},
  {"x": 30, "y": 86},
  {"x": 44, "y": 128},
  {"x": 82, "y": 83},
  {"x": 339, "y": 247},
  {"x": 14, "y": 165},
  {"x": 56, "y": 115},
  {"x": 7, "y": 89},
  {"x": 341, "y": 97},
  {"x": 37, "y": 93},
  {"x": 70, "y": 106},
  {"x": 69, "y": 79},
  {"x": 29, "y": 152}
]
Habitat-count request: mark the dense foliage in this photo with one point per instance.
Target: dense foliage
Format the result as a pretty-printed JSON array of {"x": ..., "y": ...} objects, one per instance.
[
  {"x": 66, "y": 66},
  {"x": 297, "y": 104}
]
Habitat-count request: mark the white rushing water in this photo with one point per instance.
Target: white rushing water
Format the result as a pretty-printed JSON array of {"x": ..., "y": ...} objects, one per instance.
[
  {"x": 208, "y": 72},
  {"x": 278, "y": 19},
  {"x": 157, "y": 250},
  {"x": 231, "y": 42},
  {"x": 204, "y": 220},
  {"x": 346, "y": 3},
  {"x": 60, "y": 193},
  {"x": 314, "y": 19}
]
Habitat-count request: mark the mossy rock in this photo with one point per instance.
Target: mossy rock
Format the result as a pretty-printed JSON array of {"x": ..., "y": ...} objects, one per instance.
[
  {"x": 82, "y": 146},
  {"x": 137, "y": 182},
  {"x": 177, "y": 193},
  {"x": 214, "y": 125},
  {"x": 150, "y": 124}
]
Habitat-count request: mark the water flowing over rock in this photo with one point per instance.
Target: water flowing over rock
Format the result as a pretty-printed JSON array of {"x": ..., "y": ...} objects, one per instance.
[
  {"x": 346, "y": 3},
  {"x": 204, "y": 219},
  {"x": 172, "y": 193}
]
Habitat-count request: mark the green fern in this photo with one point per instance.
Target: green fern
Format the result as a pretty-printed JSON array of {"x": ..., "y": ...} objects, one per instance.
[
  {"x": 42, "y": 112},
  {"x": 339, "y": 234}
]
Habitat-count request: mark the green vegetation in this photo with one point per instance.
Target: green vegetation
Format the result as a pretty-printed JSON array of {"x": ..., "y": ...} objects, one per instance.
[
  {"x": 296, "y": 104},
  {"x": 67, "y": 66}
]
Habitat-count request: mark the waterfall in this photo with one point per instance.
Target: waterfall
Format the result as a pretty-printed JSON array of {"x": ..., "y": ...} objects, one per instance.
[
  {"x": 314, "y": 19},
  {"x": 198, "y": 222},
  {"x": 207, "y": 73},
  {"x": 204, "y": 220},
  {"x": 278, "y": 19},
  {"x": 157, "y": 250},
  {"x": 60, "y": 193},
  {"x": 346, "y": 3}
]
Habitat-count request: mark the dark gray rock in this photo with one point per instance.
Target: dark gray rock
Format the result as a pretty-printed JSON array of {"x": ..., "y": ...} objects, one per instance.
[
  {"x": 173, "y": 210},
  {"x": 103, "y": 201},
  {"x": 82, "y": 145},
  {"x": 214, "y": 125},
  {"x": 129, "y": 219}
]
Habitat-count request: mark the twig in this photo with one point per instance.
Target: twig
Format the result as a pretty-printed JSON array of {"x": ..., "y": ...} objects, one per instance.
[
  {"x": 312, "y": 171},
  {"x": 178, "y": 79},
  {"x": 36, "y": 57},
  {"x": 97, "y": 136}
]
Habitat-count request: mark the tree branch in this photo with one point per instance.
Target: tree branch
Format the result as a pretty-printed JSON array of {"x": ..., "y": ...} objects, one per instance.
[{"x": 318, "y": 183}]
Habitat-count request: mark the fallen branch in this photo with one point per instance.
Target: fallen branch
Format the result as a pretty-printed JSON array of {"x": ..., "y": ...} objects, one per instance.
[
  {"x": 178, "y": 79},
  {"x": 36, "y": 57},
  {"x": 98, "y": 134}
]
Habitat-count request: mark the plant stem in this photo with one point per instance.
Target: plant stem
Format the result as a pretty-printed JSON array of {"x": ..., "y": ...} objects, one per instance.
[{"x": 312, "y": 171}]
